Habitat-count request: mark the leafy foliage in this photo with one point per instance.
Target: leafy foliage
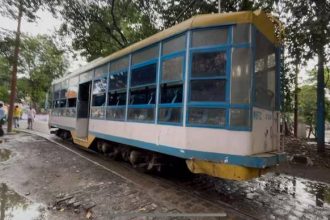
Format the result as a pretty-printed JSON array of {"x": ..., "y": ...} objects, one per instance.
[
  {"x": 103, "y": 27},
  {"x": 40, "y": 63}
]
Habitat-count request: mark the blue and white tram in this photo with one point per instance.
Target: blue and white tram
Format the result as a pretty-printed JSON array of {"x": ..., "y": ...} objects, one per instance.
[{"x": 205, "y": 90}]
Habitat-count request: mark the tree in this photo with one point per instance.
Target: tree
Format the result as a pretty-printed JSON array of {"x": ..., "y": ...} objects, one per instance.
[
  {"x": 307, "y": 107},
  {"x": 312, "y": 19},
  {"x": 101, "y": 27},
  {"x": 16, "y": 9},
  {"x": 41, "y": 62}
]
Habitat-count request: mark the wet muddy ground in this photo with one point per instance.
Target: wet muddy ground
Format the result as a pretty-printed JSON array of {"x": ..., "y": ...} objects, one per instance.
[{"x": 47, "y": 181}]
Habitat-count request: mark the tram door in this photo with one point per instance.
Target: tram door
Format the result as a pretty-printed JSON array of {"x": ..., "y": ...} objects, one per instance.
[{"x": 83, "y": 109}]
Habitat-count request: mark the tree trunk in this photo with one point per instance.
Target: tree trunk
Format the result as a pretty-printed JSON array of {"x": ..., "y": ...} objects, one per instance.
[
  {"x": 320, "y": 114},
  {"x": 295, "y": 120},
  {"x": 14, "y": 72}
]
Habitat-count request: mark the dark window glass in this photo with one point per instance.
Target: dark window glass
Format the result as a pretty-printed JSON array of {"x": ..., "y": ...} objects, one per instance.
[
  {"x": 72, "y": 102},
  {"x": 117, "y": 98},
  {"x": 116, "y": 113},
  {"x": 118, "y": 80},
  {"x": 143, "y": 96},
  {"x": 57, "y": 104},
  {"x": 57, "y": 95},
  {"x": 99, "y": 99},
  {"x": 208, "y": 90},
  {"x": 171, "y": 115},
  {"x": 62, "y": 103},
  {"x": 100, "y": 86},
  {"x": 144, "y": 75},
  {"x": 239, "y": 118},
  {"x": 207, "y": 116},
  {"x": 141, "y": 114},
  {"x": 172, "y": 69},
  {"x": 208, "y": 64},
  {"x": 171, "y": 93},
  {"x": 63, "y": 93}
]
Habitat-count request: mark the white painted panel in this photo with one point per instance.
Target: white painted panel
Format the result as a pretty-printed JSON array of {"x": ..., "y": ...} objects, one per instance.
[
  {"x": 63, "y": 121},
  {"x": 264, "y": 131},
  {"x": 199, "y": 139},
  {"x": 82, "y": 127}
]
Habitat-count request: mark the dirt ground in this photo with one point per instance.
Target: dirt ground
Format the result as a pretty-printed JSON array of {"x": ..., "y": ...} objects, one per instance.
[
  {"x": 40, "y": 179},
  {"x": 304, "y": 160}
]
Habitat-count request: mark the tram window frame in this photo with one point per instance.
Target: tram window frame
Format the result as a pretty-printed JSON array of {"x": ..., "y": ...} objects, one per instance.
[
  {"x": 117, "y": 112},
  {"x": 148, "y": 108},
  {"x": 264, "y": 72},
  {"x": 167, "y": 107},
  {"x": 221, "y": 76},
  {"x": 97, "y": 111}
]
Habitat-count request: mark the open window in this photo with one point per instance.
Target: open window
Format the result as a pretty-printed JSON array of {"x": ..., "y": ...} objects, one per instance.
[
  {"x": 117, "y": 89},
  {"x": 143, "y": 93},
  {"x": 99, "y": 98},
  {"x": 171, "y": 81}
]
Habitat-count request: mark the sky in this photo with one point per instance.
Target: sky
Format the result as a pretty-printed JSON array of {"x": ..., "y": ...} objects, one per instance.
[{"x": 47, "y": 24}]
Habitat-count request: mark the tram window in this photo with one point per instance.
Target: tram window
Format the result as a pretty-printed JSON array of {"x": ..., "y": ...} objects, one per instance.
[
  {"x": 145, "y": 54},
  {"x": 98, "y": 112},
  {"x": 209, "y": 37},
  {"x": 176, "y": 44},
  {"x": 62, "y": 103},
  {"x": 63, "y": 93},
  {"x": 239, "y": 118},
  {"x": 57, "y": 94},
  {"x": 242, "y": 33},
  {"x": 101, "y": 71},
  {"x": 73, "y": 88},
  {"x": 99, "y": 99},
  {"x": 207, "y": 116},
  {"x": 171, "y": 115},
  {"x": 88, "y": 76},
  {"x": 72, "y": 102},
  {"x": 145, "y": 95},
  {"x": 144, "y": 75},
  {"x": 213, "y": 90},
  {"x": 171, "y": 93},
  {"x": 241, "y": 76},
  {"x": 119, "y": 64},
  {"x": 116, "y": 113},
  {"x": 100, "y": 86},
  {"x": 118, "y": 80},
  {"x": 117, "y": 98},
  {"x": 172, "y": 69},
  {"x": 209, "y": 64},
  {"x": 264, "y": 73},
  {"x": 141, "y": 114}
]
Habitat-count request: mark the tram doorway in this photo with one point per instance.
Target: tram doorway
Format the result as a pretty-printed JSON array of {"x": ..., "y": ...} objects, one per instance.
[{"x": 83, "y": 109}]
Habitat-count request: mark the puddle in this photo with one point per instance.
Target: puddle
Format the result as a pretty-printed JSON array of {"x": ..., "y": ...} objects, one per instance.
[
  {"x": 14, "y": 206},
  {"x": 4, "y": 154},
  {"x": 279, "y": 196}
]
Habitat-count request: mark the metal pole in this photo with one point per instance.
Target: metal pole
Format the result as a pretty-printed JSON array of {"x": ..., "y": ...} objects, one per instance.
[{"x": 219, "y": 6}]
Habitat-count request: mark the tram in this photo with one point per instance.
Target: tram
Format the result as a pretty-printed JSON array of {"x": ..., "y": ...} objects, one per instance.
[{"x": 205, "y": 90}]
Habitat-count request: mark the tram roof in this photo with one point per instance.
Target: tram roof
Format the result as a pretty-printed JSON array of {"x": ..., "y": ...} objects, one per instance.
[{"x": 258, "y": 18}]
